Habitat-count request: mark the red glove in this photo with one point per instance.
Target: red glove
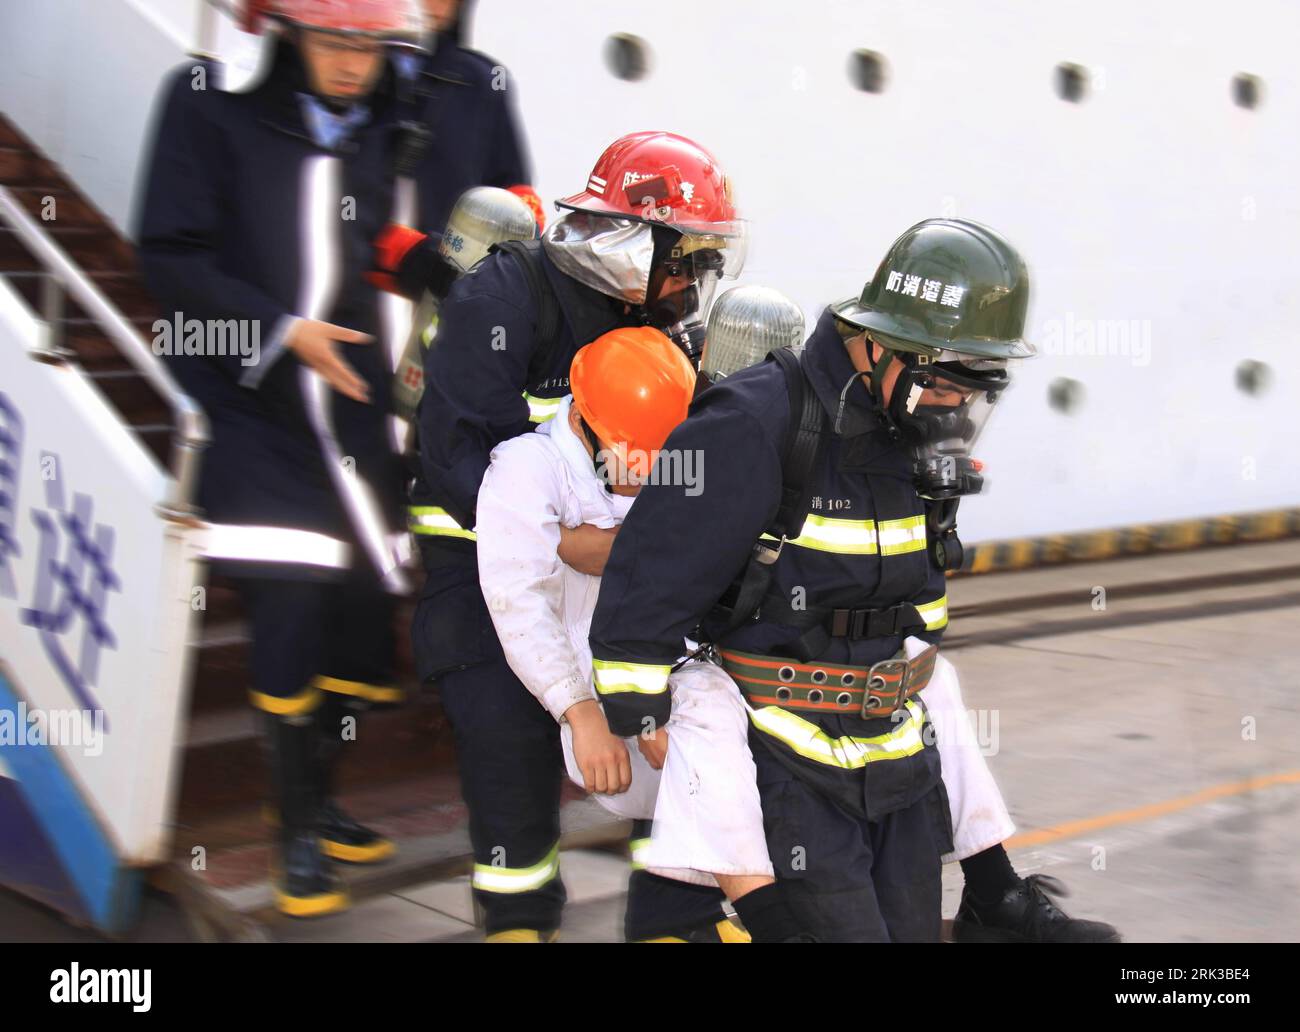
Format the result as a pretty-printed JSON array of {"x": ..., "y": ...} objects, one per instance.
[
  {"x": 392, "y": 246},
  {"x": 529, "y": 196}
]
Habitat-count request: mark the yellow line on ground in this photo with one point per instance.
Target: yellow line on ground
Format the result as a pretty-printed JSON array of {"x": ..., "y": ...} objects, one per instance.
[{"x": 1071, "y": 829}]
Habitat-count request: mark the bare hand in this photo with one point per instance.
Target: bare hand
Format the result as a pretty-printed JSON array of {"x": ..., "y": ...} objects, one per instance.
[
  {"x": 601, "y": 756},
  {"x": 313, "y": 342},
  {"x": 654, "y": 747},
  {"x": 586, "y": 547}
]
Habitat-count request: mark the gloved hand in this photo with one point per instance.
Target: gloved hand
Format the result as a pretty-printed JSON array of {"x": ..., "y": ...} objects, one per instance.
[{"x": 406, "y": 262}]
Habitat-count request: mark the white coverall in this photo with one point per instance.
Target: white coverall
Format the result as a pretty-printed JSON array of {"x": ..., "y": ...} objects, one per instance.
[
  {"x": 979, "y": 814},
  {"x": 705, "y": 803}
]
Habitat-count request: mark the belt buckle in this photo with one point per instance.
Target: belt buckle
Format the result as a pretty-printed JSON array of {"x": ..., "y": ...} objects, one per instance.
[{"x": 876, "y": 679}]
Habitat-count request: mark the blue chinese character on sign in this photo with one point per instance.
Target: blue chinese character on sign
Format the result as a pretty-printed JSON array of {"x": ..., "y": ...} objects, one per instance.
[
  {"x": 74, "y": 575},
  {"x": 11, "y": 446}
]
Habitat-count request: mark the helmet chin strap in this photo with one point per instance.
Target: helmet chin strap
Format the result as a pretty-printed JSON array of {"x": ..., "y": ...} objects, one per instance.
[
  {"x": 601, "y": 473},
  {"x": 878, "y": 369}
]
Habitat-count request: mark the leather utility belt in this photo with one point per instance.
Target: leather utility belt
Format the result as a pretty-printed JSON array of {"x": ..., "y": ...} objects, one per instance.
[{"x": 866, "y": 692}]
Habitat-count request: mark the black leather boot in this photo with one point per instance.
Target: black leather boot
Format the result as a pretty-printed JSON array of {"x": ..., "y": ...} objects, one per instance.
[
  {"x": 1026, "y": 913},
  {"x": 306, "y": 886}
]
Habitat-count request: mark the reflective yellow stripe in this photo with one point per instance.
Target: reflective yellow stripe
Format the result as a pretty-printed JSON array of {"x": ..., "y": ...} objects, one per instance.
[
  {"x": 491, "y": 878},
  {"x": 935, "y": 614},
  {"x": 426, "y": 337},
  {"x": 847, "y": 753},
  {"x": 636, "y": 847},
  {"x": 359, "y": 689},
  {"x": 860, "y": 537},
  {"x": 294, "y": 705},
  {"x": 541, "y": 409},
  {"x": 827, "y": 534},
  {"x": 642, "y": 678},
  {"x": 899, "y": 536},
  {"x": 435, "y": 520}
]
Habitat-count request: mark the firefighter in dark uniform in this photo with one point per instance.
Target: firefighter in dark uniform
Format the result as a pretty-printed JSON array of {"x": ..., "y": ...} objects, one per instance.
[
  {"x": 645, "y": 243},
  {"x": 830, "y": 631},
  {"x": 466, "y": 102},
  {"x": 259, "y": 208}
]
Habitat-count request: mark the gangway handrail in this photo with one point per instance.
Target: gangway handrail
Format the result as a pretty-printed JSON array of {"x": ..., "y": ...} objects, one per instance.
[{"x": 191, "y": 425}]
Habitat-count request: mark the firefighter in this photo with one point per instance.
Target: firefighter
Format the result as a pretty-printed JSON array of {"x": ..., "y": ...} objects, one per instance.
[
  {"x": 465, "y": 102},
  {"x": 645, "y": 242},
  {"x": 810, "y": 507},
  {"x": 259, "y": 207},
  {"x": 745, "y": 323},
  {"x": 997, "y": 905}
]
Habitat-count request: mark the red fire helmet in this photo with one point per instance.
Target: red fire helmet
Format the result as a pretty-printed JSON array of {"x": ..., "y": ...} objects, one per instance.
[
  {"x": 385, "y": 19},
  {"x": 661, "y": 177}
]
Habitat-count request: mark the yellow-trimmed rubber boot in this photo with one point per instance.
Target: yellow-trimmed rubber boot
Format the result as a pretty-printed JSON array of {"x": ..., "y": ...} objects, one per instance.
[
  {"x": 305, "y": 885},
  {"x": 342, "y": 838},
  {"x": 524, "y": 935},
  {"x": 725, "y": 930},
  {"x": 305, "y": 882}
]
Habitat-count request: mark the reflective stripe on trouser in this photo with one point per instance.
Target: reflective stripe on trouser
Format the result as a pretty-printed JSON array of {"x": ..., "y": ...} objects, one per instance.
[
  {"x": 500, "y": 878},
  {"x": 511, "y": 771},
  {"x": 381, "y": 693},
  {"x": 850, "y": 879},
  {"x": 435, "y": 521},
  {"x": 309, "y": 636}
]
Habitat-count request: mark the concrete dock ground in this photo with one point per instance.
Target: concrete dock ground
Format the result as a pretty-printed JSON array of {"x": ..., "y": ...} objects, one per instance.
[{"x": 1142, "y": 717}]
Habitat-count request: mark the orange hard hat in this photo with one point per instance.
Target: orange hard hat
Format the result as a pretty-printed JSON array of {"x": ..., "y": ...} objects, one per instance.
[{"x": 632, "y": 386}]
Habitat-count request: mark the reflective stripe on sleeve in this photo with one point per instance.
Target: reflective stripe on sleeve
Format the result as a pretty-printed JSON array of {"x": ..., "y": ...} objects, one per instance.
[
  {"x": 935, "y": 614},
  {"x": 541, "y": 409},
  {"x": 437, "y": 521},
  {"x": 642, "y": 678}
]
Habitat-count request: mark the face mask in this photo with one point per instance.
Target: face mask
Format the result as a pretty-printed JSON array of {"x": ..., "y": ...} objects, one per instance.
[
  {"x": 938, "y": 410},
  {"x": 680, "y": 314}
]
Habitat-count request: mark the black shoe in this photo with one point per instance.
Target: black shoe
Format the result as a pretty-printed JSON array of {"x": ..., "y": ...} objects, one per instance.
[
  {"x": 342, "y": 838},
  {"x": 1026, "y": 913}
]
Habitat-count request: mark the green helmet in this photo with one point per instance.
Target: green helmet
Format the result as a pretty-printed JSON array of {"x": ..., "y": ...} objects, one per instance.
[{"x": 946, "y": 285}]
